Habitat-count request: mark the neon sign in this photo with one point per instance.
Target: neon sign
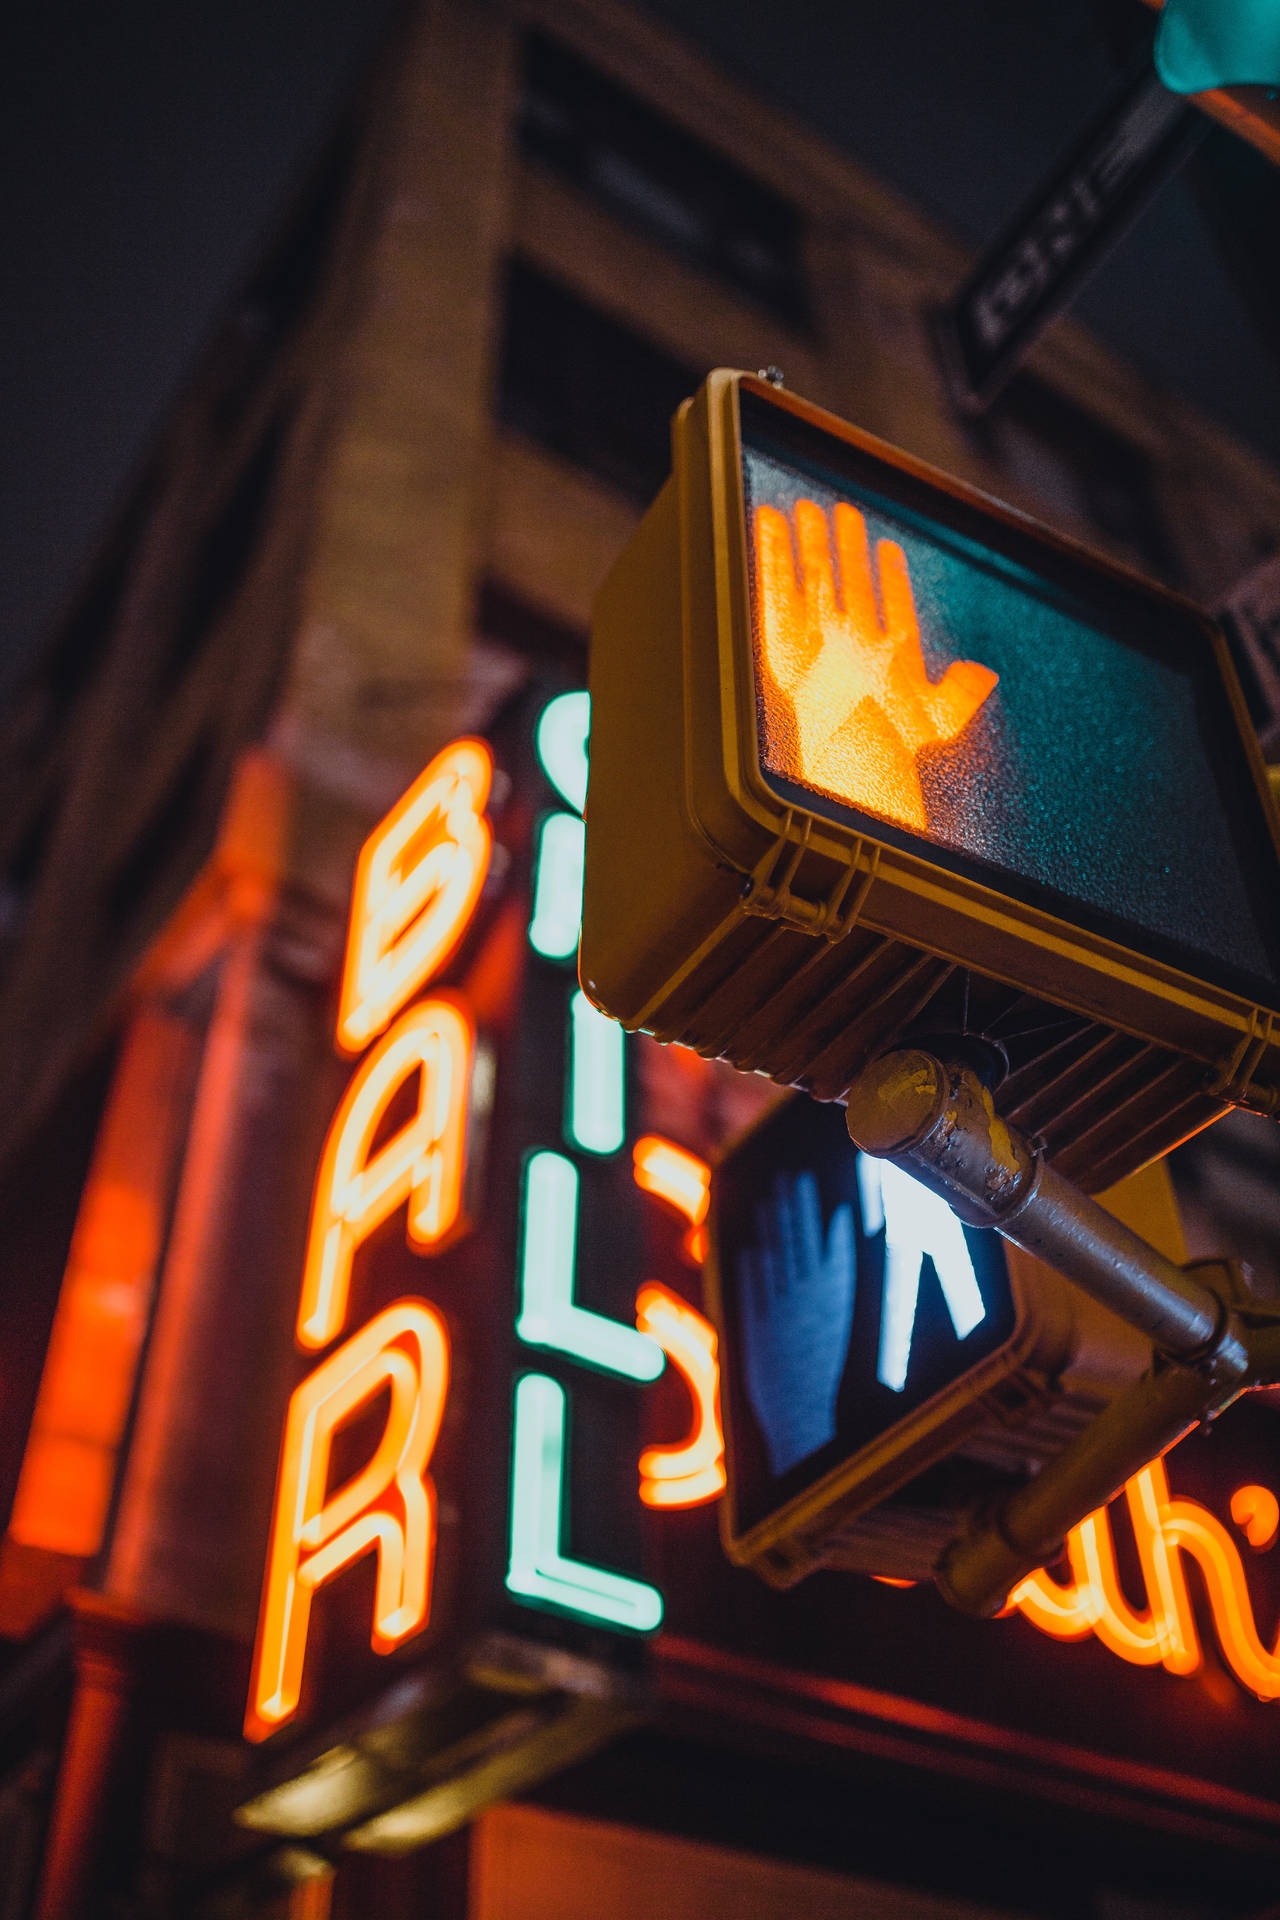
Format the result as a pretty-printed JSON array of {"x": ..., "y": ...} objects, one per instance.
[
  {"x": 417, "y": 882},
  {"x": 387, "y": 1508},
  {"x": 680, "y": 1178},
  {"x": 693, "y": 1472},
  {"x": 399, "y": 1140},
  {"x": 597, "y": 1121},
  {"x": 687, "y": 1474},
  {"x": 550, "y": 1317},
  {"x": 1166, "y": 1532},
  {"x": 538, "y": 1568},
  {"x": 423, "y": 1164}
]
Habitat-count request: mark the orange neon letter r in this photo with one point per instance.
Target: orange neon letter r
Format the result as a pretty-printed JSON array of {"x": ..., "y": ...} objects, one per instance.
[
  {"x": 417, "y": 881},
  {"x": 387, "y": 1508},
  {"x": 422, "y": 1163}
]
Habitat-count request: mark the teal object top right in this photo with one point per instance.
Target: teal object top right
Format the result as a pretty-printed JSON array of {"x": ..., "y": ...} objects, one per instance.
[{"x": 1202, "y": 44}]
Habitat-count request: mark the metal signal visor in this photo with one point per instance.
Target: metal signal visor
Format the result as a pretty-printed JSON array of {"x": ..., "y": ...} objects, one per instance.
[{"x": 874, "y": 758}]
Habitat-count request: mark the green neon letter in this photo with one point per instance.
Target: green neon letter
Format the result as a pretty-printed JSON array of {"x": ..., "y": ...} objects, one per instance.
[
  {"x": 557, "y": 887},
  {"x": 562, "y": 745},
  {"x": 597, "y": 1089},
  {"x": 538, "y": 1570},
  {"x": 548, "y": 1316}
]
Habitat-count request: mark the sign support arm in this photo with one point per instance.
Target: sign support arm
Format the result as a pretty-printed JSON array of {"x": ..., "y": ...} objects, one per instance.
[
  {"x": 981, "y": 1567},
  {"x": 938, "y": 1123}
]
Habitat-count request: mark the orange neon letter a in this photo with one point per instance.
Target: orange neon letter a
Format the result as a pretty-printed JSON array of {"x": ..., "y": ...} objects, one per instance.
[
  {"x": 387, "y": 1508},
  {"x": 357, "y": 1189},
  {"x": 418, "y": 879}
]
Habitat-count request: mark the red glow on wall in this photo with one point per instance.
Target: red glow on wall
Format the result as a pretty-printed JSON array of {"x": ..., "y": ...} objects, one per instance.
[{"x": 68, "y": 1469}]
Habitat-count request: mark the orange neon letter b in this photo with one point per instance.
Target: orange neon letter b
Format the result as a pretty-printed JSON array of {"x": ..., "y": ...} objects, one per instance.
[
  {"x": 422, "y": 1163},
  {"x": 418, "y": 879},
  {"x": 387, "y": 1508}
]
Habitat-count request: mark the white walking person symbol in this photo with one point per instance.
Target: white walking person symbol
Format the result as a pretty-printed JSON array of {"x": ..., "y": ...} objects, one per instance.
[{"x": 916, "y": 1225}]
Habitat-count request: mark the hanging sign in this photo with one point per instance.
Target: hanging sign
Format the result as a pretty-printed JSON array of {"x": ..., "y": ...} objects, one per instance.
[{"x": 1034, "y": 270}]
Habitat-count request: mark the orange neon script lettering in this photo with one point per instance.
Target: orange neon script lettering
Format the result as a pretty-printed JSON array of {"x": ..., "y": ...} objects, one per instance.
[
  {"x": 357, "y": 1188},
  {"x": 1095, "y": 1601},
  {"x": 388, "y": 1508},
  {"x": 673, "y": 1174},
  {"x": 849, "y": 705},
  {"x": 1256, "y": 1512},
  {"x": 687, "y": 1474},
  {"x": 417, "y": 882},
  {"x": 1165, "y": 1531}
]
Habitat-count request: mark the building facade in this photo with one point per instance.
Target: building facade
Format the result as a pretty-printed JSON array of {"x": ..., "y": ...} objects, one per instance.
[{"x": 372, "y": 529}]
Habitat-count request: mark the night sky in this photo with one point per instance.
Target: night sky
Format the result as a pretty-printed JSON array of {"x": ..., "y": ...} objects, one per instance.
[{"x": 149, "y": 148}]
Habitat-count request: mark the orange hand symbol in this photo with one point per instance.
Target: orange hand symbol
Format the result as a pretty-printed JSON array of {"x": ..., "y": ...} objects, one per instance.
[{"x": 856, "y": 705}]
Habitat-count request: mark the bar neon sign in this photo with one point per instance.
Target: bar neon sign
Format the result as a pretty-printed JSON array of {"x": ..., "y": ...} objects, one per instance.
[
  {"x": 408, "y": 913},
  {"x": 418, "y": 881}
]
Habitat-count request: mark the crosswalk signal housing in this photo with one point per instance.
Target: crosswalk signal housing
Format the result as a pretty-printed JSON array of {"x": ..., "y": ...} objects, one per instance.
[
  {"x": 886, "y": 1371},
  {"x": 874, "y": 758}
]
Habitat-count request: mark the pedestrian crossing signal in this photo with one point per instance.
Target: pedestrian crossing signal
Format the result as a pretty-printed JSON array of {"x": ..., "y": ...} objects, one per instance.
[
  {"x": 874, "y": 759},
  {"x": 885, "y": 1369}
]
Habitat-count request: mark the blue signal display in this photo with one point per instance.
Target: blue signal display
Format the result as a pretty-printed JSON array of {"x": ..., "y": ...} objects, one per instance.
[{"x": 850, "y": 1297}]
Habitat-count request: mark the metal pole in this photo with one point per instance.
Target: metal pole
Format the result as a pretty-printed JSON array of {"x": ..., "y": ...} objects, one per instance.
[
  {"x": 938, "y": 1123},
  {"x": 979, "y": 1569}
]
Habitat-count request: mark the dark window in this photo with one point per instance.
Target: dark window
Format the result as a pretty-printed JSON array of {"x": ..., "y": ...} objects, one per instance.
[
  {"x": 1086, "y": 479},
  {"x": 27, "y": 859},
  {"x": 81, "y": 643},
  {"x": 514, "y": 622},
  {"x": 176, "y": 838},
  {"x": 226, "y": 550},
  {"x": 586, "y": 386},
  {"x": 267, "y": 314},
  {"x": 40, "y": 1188},
  {"x": 652, "y": 173}
]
